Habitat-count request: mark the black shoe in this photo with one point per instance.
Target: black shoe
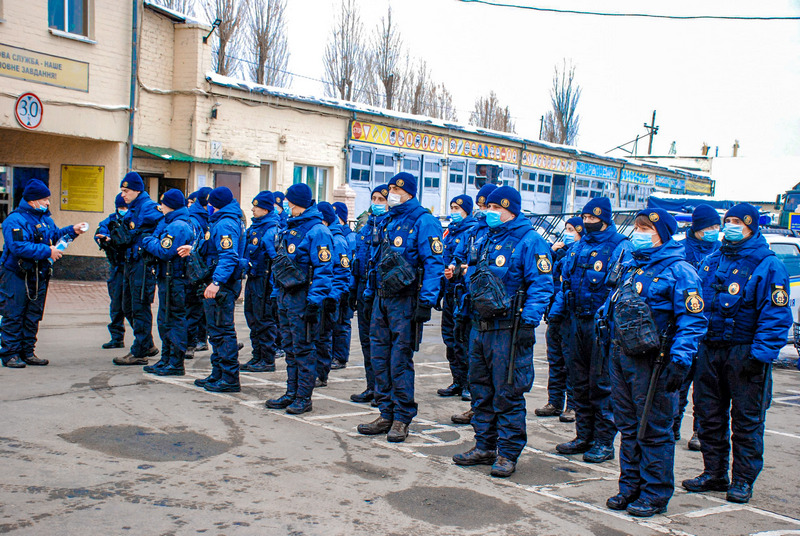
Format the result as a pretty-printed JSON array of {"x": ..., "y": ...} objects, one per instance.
[
  {"x": 567, "y": 416},
  {"x": 280, "y": 403},
  {"x": 204, "y": 381},
  {"x": 299, "y": 406},
  {"x": 398, "y": 433},
  {"x": 338, "y": 365},
  {"x": 503, "y": 467},
  {"x": 152, "y": 369},
  {"x": 189, "y": 354},
  {"x": 151, "y": 352},
  {"x": 14, "y": 362},
  {"x": 694, "y": 442},
  {"x": 463, "y": 418},
  {"x": 376, "y": 427},
  {"x": 676, "y": 433},
  {"x": 599, "y": 453},
  {"x": 320, "y": 383},
  {"x": 466, "y": 396},
  {"x": 374, "y": 403},
  {"x": 261, "y": 366},
  {"x": 475, "y": 456},
  {"x": 620, "y": 502},
  {"x": 128, "y": 360},
  {"x": 34, "y": 361},
  {"x": 645, "y": 508},
  {"x": 202, "y": 347},
  {"x": 453, "y": 390},
  {"x": 549, "y": 410},
  {"x": 171, "y": 371},
  {"x": 366, "y": 396},
  {"x": 739, "y": 492},
  {"x": 706, "y": 482},
  {"x": 220, "y": 386},
  {"x": 246, "y": 366},
  {"x": 113, "y": 344},
  {"x": 576, "y": 446},
  {"x": 280, "y": 354}
]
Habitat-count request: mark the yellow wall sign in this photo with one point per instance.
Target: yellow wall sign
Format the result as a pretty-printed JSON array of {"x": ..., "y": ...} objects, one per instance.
[
  {"x": 698, "y": 186},
  {"x": 396, "y": 137},
  {"x": 549, "y": 162},
  {"x": 82, "y": 188},
  {"x": 462, "y": 147},
  {"x": 43, "y": 68}
]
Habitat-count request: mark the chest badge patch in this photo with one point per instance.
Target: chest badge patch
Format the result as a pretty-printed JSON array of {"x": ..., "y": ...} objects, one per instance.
[
  {"x": 500, "y": 260},
  {"x": 324, "y": 254},
  {"x": 291, "y": 248},
  {"x": 255, "y": 241},
  {"x": 594, "y": 254},
  {"x": 694, "y": 303},
  {"x": 208, "y": 235},
  {"x": 598, "y": 266},
  {"x": 398, "y": 241},
  {"x": 166, "y": 242},
  {"x": 131, "y": 225},
  {"x": 436, "y": 246},
  {"x": 225, "y": 242},
  {"x": 638, "y": 287},
  {"x": 779, "y": 296},
  {"x": 543, "y": 264},
  {"x": 733, "y": 288}
]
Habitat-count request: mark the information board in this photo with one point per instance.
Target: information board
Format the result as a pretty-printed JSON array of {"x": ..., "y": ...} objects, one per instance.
[{"x": 82, "y": 188}]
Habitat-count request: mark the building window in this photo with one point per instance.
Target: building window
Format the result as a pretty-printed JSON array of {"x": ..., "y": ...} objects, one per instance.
[
  {"x": 411, "y": 165},
  {"x": 265, "y": 182},
  {"x": 432, "y": 174},
  {"x": 315, "y": 177},
  {"x": 457, "y": 173},
  {"x": 360, "y": 166},
  {"x": 70, "y": 16}
]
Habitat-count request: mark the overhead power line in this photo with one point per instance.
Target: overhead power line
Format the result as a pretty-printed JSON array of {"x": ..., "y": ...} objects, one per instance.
[{"x": 640, "y": 15}]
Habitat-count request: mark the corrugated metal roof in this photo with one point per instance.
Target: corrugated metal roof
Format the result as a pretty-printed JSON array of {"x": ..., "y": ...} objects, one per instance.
[{"x": 164, "y": 153}]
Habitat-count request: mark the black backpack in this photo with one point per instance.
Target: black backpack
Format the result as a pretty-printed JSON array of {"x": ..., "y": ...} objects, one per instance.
[{"x": 487, "y": 291}]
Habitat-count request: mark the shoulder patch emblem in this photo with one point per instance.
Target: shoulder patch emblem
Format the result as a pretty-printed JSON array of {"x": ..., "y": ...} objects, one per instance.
[
  {"x": 779, "y": 296},
  {"x": 291, "y": 248},
  {"x": 638, "y": 287},
  {"x": 225, "y": 242},
  {"x": 398, "y": 241},
  {"x": 436, "y": 245},
  {"x": 543, "y": 264},
  {"x": 166, "y": 242},
  {"x": 131, "y": 225},
  {"x": 733, "y": 288},
  {"x": 694, "y": 303},
  {"x": 500, "y": 260},
  {"x": 598, "y": 266},
  {"x": 323, "y": 253},
  {"x": 344, "y": 261}
]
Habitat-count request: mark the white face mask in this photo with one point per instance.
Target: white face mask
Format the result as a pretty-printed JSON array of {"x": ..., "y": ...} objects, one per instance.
[{"x": 394, "y": 200}]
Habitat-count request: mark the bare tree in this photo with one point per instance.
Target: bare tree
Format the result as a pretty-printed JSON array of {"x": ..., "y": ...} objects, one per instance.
[
  {"x": 267, "y": 42},
  {"x": 489, "y": 114},
  {"x": 345, "y": 57},
  {"x": 441, "y": 103},
  {"x": 386, "y": 53},
  {"x": 181, "y": 6},
  {"x": 562, "y": 122},
  {"x": 228, "y": 37}
]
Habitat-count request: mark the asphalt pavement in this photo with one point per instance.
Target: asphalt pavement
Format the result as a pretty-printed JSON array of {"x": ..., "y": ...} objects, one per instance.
[{"x": 87, "y": 447}]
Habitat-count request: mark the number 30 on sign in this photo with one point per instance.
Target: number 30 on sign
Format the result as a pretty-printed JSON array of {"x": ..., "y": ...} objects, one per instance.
[{"x": 29, "y": 111}]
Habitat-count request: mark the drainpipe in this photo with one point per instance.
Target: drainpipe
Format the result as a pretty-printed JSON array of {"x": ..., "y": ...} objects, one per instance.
[{"x": 134, "y": 76}]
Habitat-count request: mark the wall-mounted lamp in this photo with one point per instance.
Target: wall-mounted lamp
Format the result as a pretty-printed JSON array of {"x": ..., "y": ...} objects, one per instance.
[
  {"x": 214, "y": 26},
  {"x": 214, "y": 110}
]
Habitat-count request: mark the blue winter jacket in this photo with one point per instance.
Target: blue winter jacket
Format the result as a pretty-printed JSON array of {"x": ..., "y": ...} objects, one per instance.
[
  {"x": 341, "y": 262},
  {"x": 198, "y": 220},
  {"x": 365, "y": 250},
  {"x": 142, "y": 217},
  {"x": 171, "y": 232},
  {"x": 28, "y": 235},
  {"x": 697, "y": 250},
  {"x": 260, "y": 248},
  {"x": 225, "y": 245}
]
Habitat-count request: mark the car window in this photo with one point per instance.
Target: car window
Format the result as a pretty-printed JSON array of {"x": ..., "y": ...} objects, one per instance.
[{"x": 790, "y": 255}]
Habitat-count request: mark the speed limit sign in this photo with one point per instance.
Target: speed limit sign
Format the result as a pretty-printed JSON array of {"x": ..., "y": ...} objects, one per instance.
[{"x": 29, "y": 111}]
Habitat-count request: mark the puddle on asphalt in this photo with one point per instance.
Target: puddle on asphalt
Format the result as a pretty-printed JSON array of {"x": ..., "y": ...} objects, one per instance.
[
  {"x": 148, "y": 445},
  {"x": 454, "y": 506}
]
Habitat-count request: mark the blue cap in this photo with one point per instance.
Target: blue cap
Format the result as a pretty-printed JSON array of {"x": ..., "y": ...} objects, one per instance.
[
  {"x": 119, "y": 201},
  {"x": 405, "y": 181},
  {"x": 577, "y": 222},
  {"x": 341, "y": 210},
  {"x": 745, "y": 212},
  {"x": 300, "y": 195},
  {"x": 463, "y": 201},
  {"x": 508, "y": 198},
  {"x": 382, "y": 189},
  {"x": 34, "y": 190},
  {"x": 265, "y": 200},
  {"x": 192, "y": 196},
  {"x": 328, "y": 212},
  {"x": 704, "y": 216},
  {"x": 220, "y": 197},
  {"x": 483, "y": 193},
  {"x": 663, "y": 221},
  {"x": 173, "y": 199},
  {"x": 202, "y": 195},
  {"x": 599, "y": 207},
  {"x": 132, "y": 181},
  {"x": 279, "y": 196}
]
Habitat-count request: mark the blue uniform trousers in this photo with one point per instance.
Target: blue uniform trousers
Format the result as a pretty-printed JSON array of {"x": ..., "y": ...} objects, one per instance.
[
  {"x": 364, "y": 309},
  {"x": 342, "y": 332},
  {"x": 646, "y": 466},
  {"x": 724, "y": 401},
  {"x": 499, "y": 419},
  {"x": 456, "y": 349},
  {"x": 301, "y": 356},
  {"x": 258, "y": 313},
  {"x": 393, "y": 357},
  {"x": 683, "y": 400},
  {"x": 138, "y": 292},
  {"x": 222, "y": 334},
  {"x": 195, "y": 316},
  {"x": 172, "y": 323},
  {"x": 559, "y": 389},
  {"x": 324, "y": 346},
  {"x": 587, "y": 366},
  {"x": 115, "y": 283},
  {"x": 22, "y": 308}
]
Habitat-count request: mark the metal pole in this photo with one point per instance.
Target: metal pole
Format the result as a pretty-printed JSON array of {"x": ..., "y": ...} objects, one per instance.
[
  {"x": 134, "y": 77},
  {"x": 652, "y": 133}
]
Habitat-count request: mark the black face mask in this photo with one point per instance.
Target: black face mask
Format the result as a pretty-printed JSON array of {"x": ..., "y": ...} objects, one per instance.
[{"x": 593, "y": 227}]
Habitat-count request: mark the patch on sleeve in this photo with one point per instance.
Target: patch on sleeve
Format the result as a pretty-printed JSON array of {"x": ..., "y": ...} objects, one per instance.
[
  {"x": 779, "y": 296},
  {"x": 225, "y": 242},
  {"x": 17, "y": 235},
  {"x": 323, "y": 253},
  {"x": 436, "y": 245},
  {"x": 166, "y": 242},
  {"x": 693, "y": 302},
  {"x": 344, "y": 260},
  {"x": 543, "y": 264}
]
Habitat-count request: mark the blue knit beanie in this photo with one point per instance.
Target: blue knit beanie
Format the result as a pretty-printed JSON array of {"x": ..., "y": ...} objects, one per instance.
[
  {"x": 132, "y": 181},
  {"x": 34, "y": 190},
  {"x": 382, "y": 189},
  {"x": 265, "y": 200},
  {"x": 463, "y": 201},
  {"x": 508, "y": 198},
  {"x": 406, "y": 182},
  {"x": 202, "y": 195},
  {"x": 600, "y": 207},
  {"x": 220, "y": 197},
  {"x": 119, "y": 202},
  {"x": 328, "y": 212},
  {"x": 662, "y": 220},
  {"x": 483, "y": 193},
  {"x": 279, "y": 196},
  {"x": 173, "y": 199},
  {"x": 341, "y": 210},
  {"x": 300, "y": 195},
  {"x": 704, "y": 216},
  {"x": 577, "y": 222},
  {"x": 745, "y": 212}
]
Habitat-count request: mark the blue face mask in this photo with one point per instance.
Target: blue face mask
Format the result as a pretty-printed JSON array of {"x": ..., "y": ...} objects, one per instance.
[
  {"x": 568, "y": 239},
  {"x": 41, "y": 208},
  {"x": 378, "y": 209},
  {"x": 711, "y": 236},
  {"x": 640, "y": 240},
  {"x": 122, "y": 212},
  {"x": 285, "y": 206},
  {"x": 456, "y": 217},
  {"x": 210, "y": 210},
  {"x": 734, "y": 233},
  {"x": 493, "y": 218}
]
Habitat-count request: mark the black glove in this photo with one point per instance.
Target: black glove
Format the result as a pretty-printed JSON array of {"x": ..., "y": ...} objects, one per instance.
[
  {"x": 674, "y": 375},
  {"x": 352, "y": 299},
  {"x": 311, "y": 314},
  {"x": 526, "y": 335},
  {"x": 422, "y": 314},
  {"x": 752, "y": 368},
  {"x": 329, "y": 305}
]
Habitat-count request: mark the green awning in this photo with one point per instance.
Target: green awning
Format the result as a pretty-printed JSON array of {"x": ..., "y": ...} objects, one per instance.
[{"x": 171, "y": 155}]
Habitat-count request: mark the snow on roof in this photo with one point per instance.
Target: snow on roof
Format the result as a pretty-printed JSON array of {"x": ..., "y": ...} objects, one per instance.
[
  {"x": 176, "y": 16},
  {"x": 252, "y": 87}
]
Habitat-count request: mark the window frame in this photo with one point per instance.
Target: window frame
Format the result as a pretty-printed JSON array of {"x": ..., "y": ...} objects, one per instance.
[{"x": 87, "y": 9}]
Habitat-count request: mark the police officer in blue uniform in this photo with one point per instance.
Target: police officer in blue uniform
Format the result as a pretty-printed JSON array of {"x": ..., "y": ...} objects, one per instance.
[
  {"x": 140, "y": 282},
  {"x": 340, "y": 292},
  {"x": 559, "y": 390},
  {"x": 116, "y": 274},
  {"x": 702, "y": 239},
  {"x": 746, "y": 291},
  {"x": 461, "y": 224},
  {"x": 281, "y": 208},
  {"x": 367, "y": 243},
  {"x": 302, "y": 272},
  {"x": 172, "y": 232},
  {"x": 409, "y": 268},
  {"x": 512, "y": 264},
  {"x": 195, "y": 313},
  {"x": 257, "y": 262},
  {"x": 342, "y": 329},
  {"x": 223, "y": 250},
  {"x": 30, "y": 236},
  {"x": 658, "y": 277},
  {"x": 585, "y": 289}
]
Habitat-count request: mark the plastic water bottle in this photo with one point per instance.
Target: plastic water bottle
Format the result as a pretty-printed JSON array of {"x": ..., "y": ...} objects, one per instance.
[{"x": 62, "y": 244}]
